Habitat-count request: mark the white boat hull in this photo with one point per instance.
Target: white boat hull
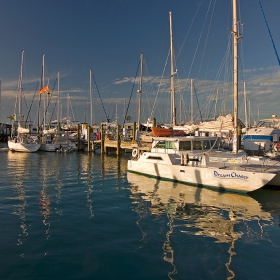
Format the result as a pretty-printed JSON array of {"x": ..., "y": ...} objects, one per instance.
[
  {"x": 23, "y": 147},
  {"x": 47, "y": 147},
  {"x": 217, "y": 177}
]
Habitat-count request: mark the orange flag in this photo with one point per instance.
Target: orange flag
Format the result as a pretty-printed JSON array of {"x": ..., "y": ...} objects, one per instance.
[{"x": 45, "y": 89}]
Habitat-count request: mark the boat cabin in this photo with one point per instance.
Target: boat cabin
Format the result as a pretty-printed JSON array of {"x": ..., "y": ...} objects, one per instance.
[{"x": 182, "y": 144}]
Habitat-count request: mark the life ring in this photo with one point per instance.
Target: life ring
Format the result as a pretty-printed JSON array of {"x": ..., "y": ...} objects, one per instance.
[{"x": 134, "y": 153}]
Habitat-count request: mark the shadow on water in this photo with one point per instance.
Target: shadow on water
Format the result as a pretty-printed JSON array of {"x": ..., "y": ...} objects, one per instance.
[{"x": 198, "y": 212}]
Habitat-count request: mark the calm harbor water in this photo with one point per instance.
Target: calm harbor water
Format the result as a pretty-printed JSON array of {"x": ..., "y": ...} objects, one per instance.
[{"x": 80, "y": 216}]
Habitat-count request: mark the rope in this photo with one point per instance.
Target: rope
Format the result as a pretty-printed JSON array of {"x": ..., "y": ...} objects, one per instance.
[
  {"x": 131, "y": 93},
  {"x": 49, "y": 104},
  {"x": 108, "y": 120},
  {"x": 31, "y": 103},
  {"x": 269, "y": 33}
]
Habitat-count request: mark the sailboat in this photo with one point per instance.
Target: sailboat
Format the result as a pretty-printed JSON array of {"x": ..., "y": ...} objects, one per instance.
[
  {"x": 163, "y": 130},
  {"x": 201, "y": 161},
  {"x": 22, "y": 142}
]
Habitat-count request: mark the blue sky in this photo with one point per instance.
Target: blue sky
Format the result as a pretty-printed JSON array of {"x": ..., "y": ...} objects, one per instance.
[{"x": 107, "y": 36}]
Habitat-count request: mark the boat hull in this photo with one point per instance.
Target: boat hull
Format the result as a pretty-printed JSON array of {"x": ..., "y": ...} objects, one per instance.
[
  {"x": 23, "y": 147},
  {"x": 162, "y": 132},
  {"x": 221, "y": 179},
  {"x": 47, "y": 147}
]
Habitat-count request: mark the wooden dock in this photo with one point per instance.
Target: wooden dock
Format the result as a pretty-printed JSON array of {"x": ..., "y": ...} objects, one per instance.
[
  {"x": 116, "y": 142},
  {"x": 112, "y": 145}
]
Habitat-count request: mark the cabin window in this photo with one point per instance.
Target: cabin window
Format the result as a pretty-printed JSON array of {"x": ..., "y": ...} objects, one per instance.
[
  {"x": 206, "y": 145},
  {"x": 197, "y": 145},
  {"x": 215, "y": 144},
  {"x": 156, "y": 158},
  {"x": 170, "y": 145},
  {"x": 160, "y": 145},
  {"x": 185, "y": 145},
  {"x": 165, "y": 145}
]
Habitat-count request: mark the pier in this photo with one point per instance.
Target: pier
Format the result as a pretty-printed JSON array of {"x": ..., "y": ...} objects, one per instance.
[{"x": 115, "y": 142}]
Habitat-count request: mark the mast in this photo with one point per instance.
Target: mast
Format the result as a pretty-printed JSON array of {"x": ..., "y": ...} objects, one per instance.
[
  {"x": 20, "y": 89},
  {"x": 216, "y": 101},
  {"x": 90, "y": 93},
  {"x": 172, "y": 73},
  {"x": 42, "y": 86},
  {"x": 58, "y": 101},
  {"x": 68, "y": 107},
  {"x": 236, "y": 38},
  {"x": 245, "y": 104},
  {"x": 191, "y": 101},
  {"x": 117, "y": 113},
  {"x": 0, "y": 101},
  {"x": 139, "y": 91}
]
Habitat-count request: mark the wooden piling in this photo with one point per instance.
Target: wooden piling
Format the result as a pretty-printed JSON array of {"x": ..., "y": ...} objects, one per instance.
[
  {"x": 78, "y": 136},
  {"x": 133, "y": 130},
  {"x": 102, "y": 139}
]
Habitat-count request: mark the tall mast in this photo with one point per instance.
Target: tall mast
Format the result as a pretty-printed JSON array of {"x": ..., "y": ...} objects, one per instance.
[
  {"x": 20, "y": 89},
  {"x": 0, "y": 101},
  {"x": 117, "y": 113},
  {"x": 139, "y": 91},
  {"x": 90, "y": 93},
  {"x": 68, "y": 107},
  {"x": 245, "y": 104},
  {"x": 58, "y": 96},
  {"x": 42, "y": 86},
  {"x": 191, "y": 101},
  {"x": 236, "y": 38},
  {"x": 216, "y": 101},
  {"x": 172, "y": 89}
]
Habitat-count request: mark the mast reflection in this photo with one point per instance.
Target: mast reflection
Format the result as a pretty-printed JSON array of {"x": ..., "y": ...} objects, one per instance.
[{"x": 18, "y": 166}]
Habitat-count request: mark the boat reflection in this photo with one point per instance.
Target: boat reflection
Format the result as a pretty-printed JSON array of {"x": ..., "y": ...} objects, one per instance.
[
  {"x": 18, "y": 166},
  {"x": 194, "y": 211},
  {"x": 44, "y": 197}
]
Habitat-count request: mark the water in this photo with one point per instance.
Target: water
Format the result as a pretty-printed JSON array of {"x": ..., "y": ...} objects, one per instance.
[{"x": 79, "y": 216}]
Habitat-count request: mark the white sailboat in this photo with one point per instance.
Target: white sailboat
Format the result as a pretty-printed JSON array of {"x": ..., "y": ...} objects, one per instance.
[
  {"x": 199, "y": 161},
  {"x": 22, "y": 142}
]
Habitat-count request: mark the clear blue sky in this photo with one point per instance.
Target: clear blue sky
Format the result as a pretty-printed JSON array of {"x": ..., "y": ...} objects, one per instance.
[{"x": 108, "y": 36}]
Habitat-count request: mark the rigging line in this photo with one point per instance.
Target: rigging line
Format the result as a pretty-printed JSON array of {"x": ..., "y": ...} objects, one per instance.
[
  {"x": 207, "y": 33},
  {"x": 153, "y": 109},
  {"x": 25, "y": 102},
  {"x": 240, "y": 45},
  {"x": 31, "y": 103},
  {"x": 216, "y": 79},
  {"x": 188, "y": 30},
  {"x": 146, "y": 96},
  {"x": 131, "y": 92},
  {"x": 197, "y": 103},
  {"x": 108, "y": 120},
  {"x": 269, "y": 33},
  {"x": 49, "y": 104},
  {"x": 197, "y": 47}
]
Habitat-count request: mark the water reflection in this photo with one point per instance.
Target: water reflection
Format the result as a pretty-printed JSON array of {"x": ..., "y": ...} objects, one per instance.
[
  {"x": 44, "y": 197},
  {"x": 86, "y": 171},
  {"x": 199, "y": 212},
  {"x": 18, "y": 167}
]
